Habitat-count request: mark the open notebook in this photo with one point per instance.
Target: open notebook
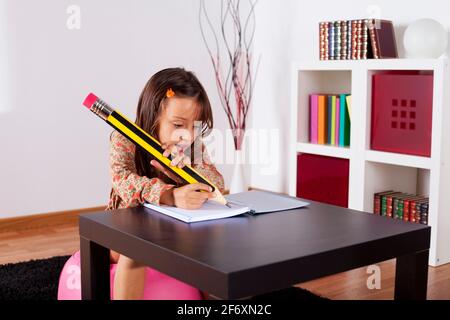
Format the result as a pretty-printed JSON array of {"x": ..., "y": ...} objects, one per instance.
[{"x": 251, "y": 202}]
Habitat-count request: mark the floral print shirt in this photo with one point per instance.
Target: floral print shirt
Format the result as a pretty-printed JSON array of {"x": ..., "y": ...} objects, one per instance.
[{"x": 130, "y": 190}]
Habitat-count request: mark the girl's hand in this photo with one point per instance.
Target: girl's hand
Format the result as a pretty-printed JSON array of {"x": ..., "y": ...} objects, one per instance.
[
  {"x": 187, "y": 197},
  {"x": 176, "y": 149}
]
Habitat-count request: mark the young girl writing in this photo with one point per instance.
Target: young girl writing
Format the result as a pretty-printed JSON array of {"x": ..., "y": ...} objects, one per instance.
[{"x": 174, "y": 108}]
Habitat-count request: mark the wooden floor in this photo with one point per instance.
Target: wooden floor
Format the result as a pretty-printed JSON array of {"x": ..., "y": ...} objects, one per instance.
[{"x": 64, "y": 240}]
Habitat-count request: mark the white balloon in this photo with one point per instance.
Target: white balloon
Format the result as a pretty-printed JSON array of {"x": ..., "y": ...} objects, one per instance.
[{"x": 425, "y": 38}]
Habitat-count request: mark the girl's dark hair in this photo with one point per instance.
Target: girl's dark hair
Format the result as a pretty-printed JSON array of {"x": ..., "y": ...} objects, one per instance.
[{"x": 150, "y": 106}]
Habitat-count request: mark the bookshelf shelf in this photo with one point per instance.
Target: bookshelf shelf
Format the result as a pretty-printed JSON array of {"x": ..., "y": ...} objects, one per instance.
[
  {"x": 373, "y": 171},
  {"x": 393, "y": 177},
  {"x": 324, "y": 150},
  {"x": 398, "y": 159}
]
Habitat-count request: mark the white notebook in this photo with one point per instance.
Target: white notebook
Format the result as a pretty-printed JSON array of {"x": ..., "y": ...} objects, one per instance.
[{"x": 251, "y": 202}]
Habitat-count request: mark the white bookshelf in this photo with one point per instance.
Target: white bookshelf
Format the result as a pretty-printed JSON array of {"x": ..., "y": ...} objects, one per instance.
[{"x": 374, "y": 171}]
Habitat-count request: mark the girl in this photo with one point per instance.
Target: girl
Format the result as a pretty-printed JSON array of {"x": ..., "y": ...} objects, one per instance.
[{"x": 170, "y": 108}]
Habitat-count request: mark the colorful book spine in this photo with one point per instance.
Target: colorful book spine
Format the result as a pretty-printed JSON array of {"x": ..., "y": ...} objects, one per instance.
[
  {"x": 347, "y": 123},
  {"x": 337, "y": 40},
  {"x": 354, "y": 37},
  {"x": 402, "y": 203},
  {"x": 395, "y": 202},
  {"x": 407, "y": 214},
  {"x": 402, "y": 206},
  {"x": 341, "y": 117},
  {"x": 349, "y": 39},
  {"x": 333, "y": 120},
  {"x": 415, "y": 210},
  {"x": 329, "y": 121},
  {"x": 331, "y": 40},
  {"x": 424, "y": 213},
  {"x": 364, "y": 38},
  {"x": 322, "y": 40},
  {"x": 343, "y": 40},
  {"x": 406, "y": 209},
  {"x": 329, "y": 115},
  {"x": 321, "y": 119},
  {"x": 384, "y": 203},
  {"x": 371, "y": 27},
  {"x": 357, "y": 39},
  {"x": 314, "y": 106},
  {"x": 383, "y": 211},
  {"x": 326, "y": 42},
  {"x": 337, "y": 122},
  {"x": 390, "y": 203},
  {"x": 377, "y": 201}
]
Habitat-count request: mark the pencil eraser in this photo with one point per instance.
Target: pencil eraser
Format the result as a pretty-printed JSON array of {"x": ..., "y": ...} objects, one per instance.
[{"x": 90, "y": 100}]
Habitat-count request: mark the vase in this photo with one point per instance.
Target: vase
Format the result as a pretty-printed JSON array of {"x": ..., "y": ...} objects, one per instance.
[{"x": 238, "y": 183}]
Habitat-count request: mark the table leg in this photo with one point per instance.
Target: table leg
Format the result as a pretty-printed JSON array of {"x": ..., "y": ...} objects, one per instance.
[
  {"x": 94, "y": 271},
  {"x": 411, "y": 276}
]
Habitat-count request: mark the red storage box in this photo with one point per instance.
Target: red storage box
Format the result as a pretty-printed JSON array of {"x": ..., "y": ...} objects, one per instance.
[
  {"x": 401, "y": 113},
  {"x": 323, "y": 179}
]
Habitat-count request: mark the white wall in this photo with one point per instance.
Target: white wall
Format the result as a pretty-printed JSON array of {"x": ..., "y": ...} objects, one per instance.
[
  {"x": 53, "y": 151},
  {"x": 288, "y": 30}
]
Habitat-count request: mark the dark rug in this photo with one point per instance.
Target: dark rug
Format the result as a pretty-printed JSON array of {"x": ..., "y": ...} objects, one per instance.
[
  {"x": 38, "y": 280},
  {"x": 31, "y": 280}
]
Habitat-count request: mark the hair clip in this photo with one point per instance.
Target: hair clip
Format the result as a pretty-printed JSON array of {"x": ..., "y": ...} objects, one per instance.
[{"x": 170, "y": 93}]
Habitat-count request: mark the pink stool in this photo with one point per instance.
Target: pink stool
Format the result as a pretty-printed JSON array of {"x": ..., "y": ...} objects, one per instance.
[{"x": 158, "y": 286}]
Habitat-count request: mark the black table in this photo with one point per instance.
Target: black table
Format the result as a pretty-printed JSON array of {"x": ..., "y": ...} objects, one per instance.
[{"x": 247, "y": 255}]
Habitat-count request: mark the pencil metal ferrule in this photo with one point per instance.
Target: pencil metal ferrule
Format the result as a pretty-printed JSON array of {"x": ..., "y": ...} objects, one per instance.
[{"x": 102, "y": 109}]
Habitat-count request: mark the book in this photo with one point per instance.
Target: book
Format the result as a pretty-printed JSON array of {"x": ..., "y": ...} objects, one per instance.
[
  {"x": 390, "y": 203},
  {"x": 349, "y": 40},
  {"x": 377, "y": 201},
  {"x": 364, "y": 40},
  {"x": 354, "y": 39},
  {"x": 322, "y": 40},
  {"x": 328, "y": 119},
  {"x": 332, "y": 121},
  {"x": 414, "y": 215},
  {"x": 337, "y": 40},
  {"x": 398, "y": 204},
  {"x": 402, "y": 206},
  {"x": 331, "y": 40},
  {"x": 349, "y": 105},
  {"x": 313, "y": 118},
  {"x": 382, "y": 39},
  {"x": 424, "y": 212},
  {"x": 321, "y": 118},
  {"x": 407, "y": 205},
  {"x": 337, "y": 121},
  {"x": 357, "y": 39},
  {"x": 249, "y": 202},
  {"x": 344, "y": 120},
  {"x": 344, "y": 40}
]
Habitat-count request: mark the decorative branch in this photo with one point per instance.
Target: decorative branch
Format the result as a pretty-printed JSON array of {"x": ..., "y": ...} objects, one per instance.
[{"x": 238, "y": 79}]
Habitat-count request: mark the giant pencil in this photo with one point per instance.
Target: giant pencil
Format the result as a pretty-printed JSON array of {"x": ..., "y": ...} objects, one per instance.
[{"x": 144, "y": 140}]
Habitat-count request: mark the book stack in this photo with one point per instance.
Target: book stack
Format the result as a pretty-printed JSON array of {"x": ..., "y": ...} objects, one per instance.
[
  {"x": 330, "y": 119},
  {"x": 403, "y": 206},
  {"x": 357, "y": 39}
]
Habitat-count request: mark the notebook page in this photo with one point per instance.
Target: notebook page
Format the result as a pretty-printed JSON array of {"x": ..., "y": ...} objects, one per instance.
[{"x": 210, "y": 210}]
